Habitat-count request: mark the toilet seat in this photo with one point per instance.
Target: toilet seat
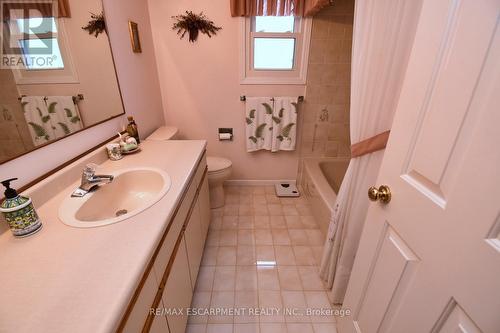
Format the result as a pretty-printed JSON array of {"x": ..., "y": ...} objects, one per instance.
[{"x": 217, "y": 164}]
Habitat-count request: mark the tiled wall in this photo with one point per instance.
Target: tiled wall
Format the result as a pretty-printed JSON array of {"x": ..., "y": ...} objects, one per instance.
[
  {"x": 325, "y": 113},
  {"x": 14, "y": 135}
]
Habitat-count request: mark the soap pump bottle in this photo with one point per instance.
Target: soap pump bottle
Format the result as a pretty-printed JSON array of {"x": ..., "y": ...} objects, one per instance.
[
  {"x": 19, "y": 212},
  {"x": 132, "y": 129}
]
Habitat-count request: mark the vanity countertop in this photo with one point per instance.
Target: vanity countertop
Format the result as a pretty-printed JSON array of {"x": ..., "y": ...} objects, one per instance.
[{"x": 66, "y": 279}]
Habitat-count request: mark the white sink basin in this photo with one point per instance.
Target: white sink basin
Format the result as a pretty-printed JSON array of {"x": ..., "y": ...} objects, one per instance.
[{"x": 132, "y": 191}]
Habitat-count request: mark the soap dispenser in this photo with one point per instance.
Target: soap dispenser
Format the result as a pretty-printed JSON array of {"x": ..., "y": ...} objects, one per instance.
[{"x": 19, "y": 212}]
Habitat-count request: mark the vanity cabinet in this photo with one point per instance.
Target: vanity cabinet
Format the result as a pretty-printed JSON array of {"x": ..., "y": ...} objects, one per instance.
[{"x": 170, "y": 277}]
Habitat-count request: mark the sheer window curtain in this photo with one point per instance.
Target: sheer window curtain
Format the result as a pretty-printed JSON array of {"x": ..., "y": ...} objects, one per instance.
[
  {"x": 380, "y": 54},
  {"x": 249, "y": 8}
]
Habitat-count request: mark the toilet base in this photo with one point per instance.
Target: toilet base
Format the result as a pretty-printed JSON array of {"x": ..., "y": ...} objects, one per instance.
[{"x": 216, "y": 196}]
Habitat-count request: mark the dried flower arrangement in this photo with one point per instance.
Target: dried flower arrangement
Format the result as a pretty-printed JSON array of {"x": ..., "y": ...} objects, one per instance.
[
  {"x": 193, "y": 24},
  {"x": 96, "y": 25}
]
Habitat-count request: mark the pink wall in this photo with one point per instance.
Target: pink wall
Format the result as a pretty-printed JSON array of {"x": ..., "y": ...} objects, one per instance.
[
  {"x": 139, "y": 85},
  {"x": 200, "y": 88}
]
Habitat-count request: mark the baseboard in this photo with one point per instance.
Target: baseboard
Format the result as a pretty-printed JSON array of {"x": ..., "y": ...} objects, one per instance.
[{"x": 256, "y": 182}]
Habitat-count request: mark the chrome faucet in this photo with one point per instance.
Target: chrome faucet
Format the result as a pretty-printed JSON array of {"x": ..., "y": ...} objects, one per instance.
[{"x": 90, "y": 181}]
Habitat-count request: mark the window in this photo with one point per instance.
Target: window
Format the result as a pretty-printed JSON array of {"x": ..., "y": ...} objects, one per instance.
[
  {"x": 45, "y": 51},
  {"x": 276, "y": 49},
  {"x": 38, "y": 36}
]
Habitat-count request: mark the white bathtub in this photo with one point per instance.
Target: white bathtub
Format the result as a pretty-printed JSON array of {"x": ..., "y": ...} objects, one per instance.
[{"x": 321, "y": 182}]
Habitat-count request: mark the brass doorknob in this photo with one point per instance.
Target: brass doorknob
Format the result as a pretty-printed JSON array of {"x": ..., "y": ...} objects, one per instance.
[{"x": 382, "y": 194}]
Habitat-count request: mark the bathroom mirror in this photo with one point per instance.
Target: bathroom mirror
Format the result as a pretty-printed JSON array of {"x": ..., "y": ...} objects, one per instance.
[{"x": 56, "y": 78}]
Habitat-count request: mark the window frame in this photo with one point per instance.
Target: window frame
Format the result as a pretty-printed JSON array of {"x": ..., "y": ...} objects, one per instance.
[
  {"x": 302, "y": 36},
  {"x": 68, "y": 74}
]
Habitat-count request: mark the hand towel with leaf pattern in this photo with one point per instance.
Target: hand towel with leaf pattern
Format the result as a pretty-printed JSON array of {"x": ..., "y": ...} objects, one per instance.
[
  {"x": 38, "y": 119},
  {"x": 64, "y": 115},
  {"x": 284, "y": 123},
  {"x": 259, "y": 112}
]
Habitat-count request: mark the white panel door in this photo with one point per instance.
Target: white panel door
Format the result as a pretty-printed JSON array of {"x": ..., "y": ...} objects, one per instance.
[{"x": 429, "y": 260}]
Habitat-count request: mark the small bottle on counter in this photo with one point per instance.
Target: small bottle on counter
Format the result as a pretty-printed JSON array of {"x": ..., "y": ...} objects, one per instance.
[
  {"x": 19, "y": 212},
  {"x": 132, "y": 129}
]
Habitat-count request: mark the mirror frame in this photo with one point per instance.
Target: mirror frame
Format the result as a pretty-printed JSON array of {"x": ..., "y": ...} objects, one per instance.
[{"x": 93, "y": 125}]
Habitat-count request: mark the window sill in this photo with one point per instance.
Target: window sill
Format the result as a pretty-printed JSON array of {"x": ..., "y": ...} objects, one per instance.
[{"x": 273, "y": 80}]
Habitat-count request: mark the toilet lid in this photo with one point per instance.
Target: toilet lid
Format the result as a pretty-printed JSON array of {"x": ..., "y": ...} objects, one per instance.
[{"x": 217, "y": 163}]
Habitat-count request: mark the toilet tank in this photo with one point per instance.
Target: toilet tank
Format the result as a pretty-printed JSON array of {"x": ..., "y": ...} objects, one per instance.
[{"x": 164, "y": 133}]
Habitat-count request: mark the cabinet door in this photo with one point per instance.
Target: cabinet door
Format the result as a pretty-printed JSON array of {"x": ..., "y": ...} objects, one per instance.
[
  {"x": 204, "y": 200},
  {"x": 194, "y": 242},
  {"x": 177, "y": 293},
  {"x": 159, "y": 324}
]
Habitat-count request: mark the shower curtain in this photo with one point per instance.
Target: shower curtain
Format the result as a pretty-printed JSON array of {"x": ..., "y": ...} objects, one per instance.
[{"x": 380, "y": 54}]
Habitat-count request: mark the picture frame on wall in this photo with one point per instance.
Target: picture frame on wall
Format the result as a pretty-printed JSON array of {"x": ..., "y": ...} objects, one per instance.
[{"x": 134, "y": 37}]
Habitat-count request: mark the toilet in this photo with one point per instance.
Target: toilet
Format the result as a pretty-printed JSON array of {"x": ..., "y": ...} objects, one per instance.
[{"x": 219, "y": 168}]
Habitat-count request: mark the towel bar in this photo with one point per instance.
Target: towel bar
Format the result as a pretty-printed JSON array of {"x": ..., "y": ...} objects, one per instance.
[{"x": 244, "y": 98}]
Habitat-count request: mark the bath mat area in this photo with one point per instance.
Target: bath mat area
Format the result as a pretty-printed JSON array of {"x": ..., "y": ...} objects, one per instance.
[{"x": 286, "y": 190}]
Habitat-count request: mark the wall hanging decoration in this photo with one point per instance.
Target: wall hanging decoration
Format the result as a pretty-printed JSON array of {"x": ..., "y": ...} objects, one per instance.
[
  {"x": 96, "y": 25},
  {"x": 194, "y": 24},
  {"x": 134, "y": 37}
]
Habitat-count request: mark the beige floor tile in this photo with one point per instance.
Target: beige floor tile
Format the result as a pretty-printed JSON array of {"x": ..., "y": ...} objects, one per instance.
[
  {"x": 246, "y": 328},
  {"x": 246, "y": 237},
  {"x": 303, "y": 255},
  {"x": 245, "y": 222},
  {"x": 213, "y": 237},
  {"x": 273, "y": 328},
  {"x": 309, "y": 222},
  {"x": 298, "y": 237},
  {"x": 196, "y": 328},
  {"x": 230, "y": 209},
  {"x": 209, "y": 256},
  {"x": 246, "y": 199},
  {"x": 224, "y": 278},
  {"x": 221, "y": 299},
  {"x": 299, "y": 328},
  {"x": 275, "y": 209},
  {"x": 316, "y": 237},
  {"x": 259, "y": 210},
  {"x": 245, "y": 210},
  {"x": 263, "y": 237},
  {"x": 270, "y": 299},
  {"x": 270, "y": 189},
  {"x": 293, "y": 222},
  {"x": 232, "y": 189},
  {"x": 277, "y": 222},
  {"x": 259, "y": 190},
  {"x": 232, "y": 198},
  {"x": 289, "y": 278},
  {"x": 259, "y": 199},
  {"x": 272, "y": 199},
  {"x": 245, "y": 255},
  {"x": 201, "y": 300},
  {"x": 317, "y": 300},
  {"x": 205, "y": 279},
  {"x": 295, "y": 300},
  {"x": 246, "y": 278},
  {"x": 280, "y": 237},
  {"x": 290, "y": 210},
  {"x": 324, "y": 328},
  {"x": 228, "y": 238},
  {"x": 261, "y": 222},
  {"x": 229, "y": 222},
  {"x": 284, "y": 255},
  {"x": 304, "y": 209},
  {"x": 310, "y": 278},
  {"x": 226, "y": 256},
  {"x": 220, "y": 328},
  {"x": 216, "y": 212},
  {"x": 215, "y": 223},
  {"x": 268, "y": 278},
  {"x": 246, "y": 300},
  {"x": 265, "y": 253}
]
